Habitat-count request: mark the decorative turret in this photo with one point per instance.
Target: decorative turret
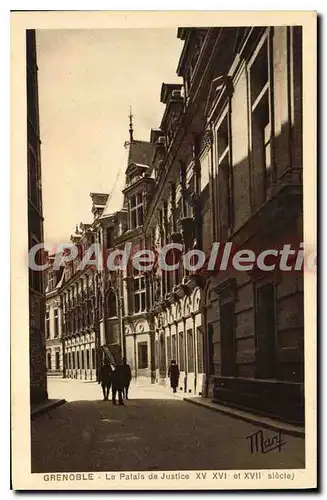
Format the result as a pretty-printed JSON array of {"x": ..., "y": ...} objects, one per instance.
[{"x": 130, "y": 124}]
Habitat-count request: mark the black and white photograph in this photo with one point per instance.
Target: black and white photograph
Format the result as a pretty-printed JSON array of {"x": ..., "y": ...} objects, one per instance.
[{"x": 170, "y": 253}]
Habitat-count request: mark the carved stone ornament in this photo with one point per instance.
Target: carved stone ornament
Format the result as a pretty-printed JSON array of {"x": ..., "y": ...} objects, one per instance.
[{"x": 208, "y": 138}]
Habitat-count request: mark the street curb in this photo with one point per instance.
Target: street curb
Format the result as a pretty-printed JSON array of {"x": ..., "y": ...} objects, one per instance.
[
  {"x": 266, "y": 422},
  {"x": 51, "y": 404}
]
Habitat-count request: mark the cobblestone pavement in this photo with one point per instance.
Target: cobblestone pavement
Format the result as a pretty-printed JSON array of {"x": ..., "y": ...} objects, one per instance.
[{"x": 155, "y": 430}]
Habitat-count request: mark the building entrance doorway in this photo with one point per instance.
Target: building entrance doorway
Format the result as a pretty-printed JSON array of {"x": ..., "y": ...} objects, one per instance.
[{"x": 228, "y": 357}]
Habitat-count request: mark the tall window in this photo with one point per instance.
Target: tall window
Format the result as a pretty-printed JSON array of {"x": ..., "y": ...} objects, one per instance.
[
  {"x": 57, "y": 360},
  {"x": 173, "y": 347},
  {"x": 261, "y": 117},
  {"x": 136, "y": 210},
  {"x": 224, "y": 178},
  {"x": 87, "y": 359},
  {"x": 139, "y": 294},
  {"x": 49, "y": 360},
  {"x": 142, "y": 355},
  {"x": 64, "y": 329},
  {"x": 181, "y": 352},
  {"x": 89, "y": 312},
  {"x": 56, "y": 323},
  {"x": 47, "y": 324},
  {"x": 109, "y": 237},
  {"x": 111, "y": 303},
  {"x": 200, "y": 349},
  {"x": 190, "y": 351},
  {"x": 83, "y": 359},
  {"x": 156, "y": 354},
  {"x": 78, "y": 318},
  {"x": 50, "y": 282},
  {"x": 93, "y": 357}
]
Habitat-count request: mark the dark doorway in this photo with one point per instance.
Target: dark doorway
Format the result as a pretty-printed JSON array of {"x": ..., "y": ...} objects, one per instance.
[
  {"x": 211, "y": 367},
  {"x": 228, "y": 357},
  {"x": 266, "y": 343}
]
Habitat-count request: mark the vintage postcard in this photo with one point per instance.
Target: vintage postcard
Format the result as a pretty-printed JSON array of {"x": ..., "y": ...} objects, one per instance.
[{"x": 163, "y": 250}]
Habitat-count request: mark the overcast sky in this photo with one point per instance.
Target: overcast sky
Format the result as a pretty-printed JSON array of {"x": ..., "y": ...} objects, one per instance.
[{"x": 87, "y": 81}]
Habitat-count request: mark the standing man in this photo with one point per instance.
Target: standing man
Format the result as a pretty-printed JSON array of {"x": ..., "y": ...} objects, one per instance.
[
  {"x": 118, "y": 384},
  {"x": 173, "y": 373},
  {"x": 105, "y": 379},
  {"x": 127, "y": 377}
]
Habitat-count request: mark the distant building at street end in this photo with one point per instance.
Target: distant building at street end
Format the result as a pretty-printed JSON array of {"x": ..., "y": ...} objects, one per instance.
[{"x": 53, "y": 322}]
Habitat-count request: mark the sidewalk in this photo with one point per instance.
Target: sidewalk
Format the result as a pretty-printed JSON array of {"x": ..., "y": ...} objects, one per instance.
[{"x": 268, "y": 423}]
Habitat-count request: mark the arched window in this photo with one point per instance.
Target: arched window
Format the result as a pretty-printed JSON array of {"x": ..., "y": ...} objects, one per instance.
[{"x": 111, "y": 304}]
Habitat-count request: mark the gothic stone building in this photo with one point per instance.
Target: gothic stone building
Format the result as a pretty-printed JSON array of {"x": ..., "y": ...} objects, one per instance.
[
  {"x": 79, "y": 309},
  {"x": 126, "y": 318}
]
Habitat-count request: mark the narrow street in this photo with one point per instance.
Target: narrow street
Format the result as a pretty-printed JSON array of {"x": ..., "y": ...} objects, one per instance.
[{"x": 155, "y": 430}]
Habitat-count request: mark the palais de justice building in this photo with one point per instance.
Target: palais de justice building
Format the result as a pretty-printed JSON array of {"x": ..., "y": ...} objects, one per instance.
[{"x": 224, "y": 165}]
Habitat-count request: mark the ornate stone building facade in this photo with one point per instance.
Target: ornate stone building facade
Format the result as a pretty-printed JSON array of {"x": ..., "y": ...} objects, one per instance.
[
  {"x": 224, "y": 167},
  {"x": 79, "y": 294},
  {"x": 130, "y": 321}
]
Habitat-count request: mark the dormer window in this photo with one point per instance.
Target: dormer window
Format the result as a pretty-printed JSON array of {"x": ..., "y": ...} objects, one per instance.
[{"x": 136, "y": 211}]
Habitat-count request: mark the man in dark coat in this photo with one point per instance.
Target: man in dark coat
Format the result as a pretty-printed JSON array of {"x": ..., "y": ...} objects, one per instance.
[
  {"x": 105, "y": 379},
  {"x": 173, "y": 373},
  {"x": 127, "y": 377},
  {"x": 118, "y": 384}
]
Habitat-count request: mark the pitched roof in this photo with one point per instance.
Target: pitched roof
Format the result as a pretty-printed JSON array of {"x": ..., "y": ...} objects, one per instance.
[
  {"x": 141, "y": 152},
  {"x": 115, "y": 200}
]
